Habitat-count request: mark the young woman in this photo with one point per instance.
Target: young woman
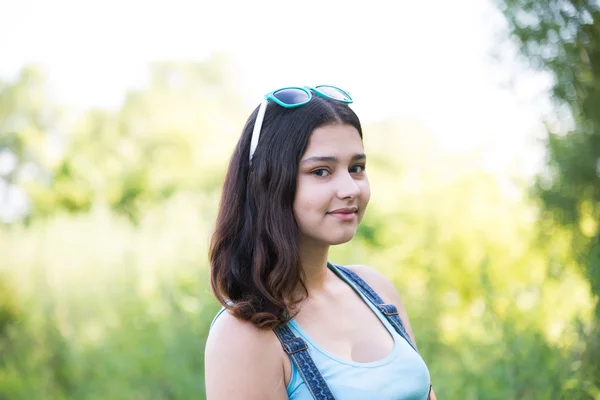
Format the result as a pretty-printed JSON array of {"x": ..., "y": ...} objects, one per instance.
[{"x": 296, "y": 326}]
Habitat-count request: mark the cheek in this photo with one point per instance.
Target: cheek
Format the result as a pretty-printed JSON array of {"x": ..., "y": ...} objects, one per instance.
[
  {"x": 303, "y": 204},
  {"x": 308, "y": 200},
  {"x": 302, "y": 200},
  {"x": 365, "y": 191}
]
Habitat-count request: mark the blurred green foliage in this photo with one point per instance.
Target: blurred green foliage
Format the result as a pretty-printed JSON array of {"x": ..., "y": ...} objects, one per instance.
[
  {"x": 104, "y": 285},
  {"x": 563, "y": 37}
]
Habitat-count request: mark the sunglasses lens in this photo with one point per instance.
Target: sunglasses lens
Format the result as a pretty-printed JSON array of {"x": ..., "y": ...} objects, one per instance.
[
  {"x": 334, "y": 93},
  {"x": 291, "y": 96}
]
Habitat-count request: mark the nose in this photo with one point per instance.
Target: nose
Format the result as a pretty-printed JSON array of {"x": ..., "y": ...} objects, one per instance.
[{"x": 347, "y": 187}]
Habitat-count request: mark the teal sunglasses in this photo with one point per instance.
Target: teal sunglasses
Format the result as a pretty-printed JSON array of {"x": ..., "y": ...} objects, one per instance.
[{"x": 291, "y": 97}]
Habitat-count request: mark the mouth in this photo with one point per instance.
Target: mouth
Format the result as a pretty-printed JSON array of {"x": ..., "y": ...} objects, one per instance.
[
  {"x": 344, "y": 210},
  {"x": 346, "y": 213}
]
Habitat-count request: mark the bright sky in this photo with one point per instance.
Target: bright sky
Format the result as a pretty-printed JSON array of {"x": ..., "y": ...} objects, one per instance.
[{"x": 425, "y": 60}]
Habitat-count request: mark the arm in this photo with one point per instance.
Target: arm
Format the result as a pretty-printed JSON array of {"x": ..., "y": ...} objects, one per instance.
[
  {"x": 432, "y": 397},
  {"x": 243, "y": 362}
]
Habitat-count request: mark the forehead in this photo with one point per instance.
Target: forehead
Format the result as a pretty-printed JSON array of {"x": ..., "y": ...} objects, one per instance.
[{"x": 338, "y": 139}]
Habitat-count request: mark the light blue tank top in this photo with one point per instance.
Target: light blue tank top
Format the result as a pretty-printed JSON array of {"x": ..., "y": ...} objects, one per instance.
[{"x": 402, "y": 375}]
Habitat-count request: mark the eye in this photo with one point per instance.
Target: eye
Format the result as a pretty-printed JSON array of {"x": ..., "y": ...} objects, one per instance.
[
  {"x": 320, "y": 172},
  {"x": 358, "y": 168}
]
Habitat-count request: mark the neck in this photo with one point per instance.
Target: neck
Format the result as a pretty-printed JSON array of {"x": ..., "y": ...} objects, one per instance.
[{"x": 313, "y": 258}]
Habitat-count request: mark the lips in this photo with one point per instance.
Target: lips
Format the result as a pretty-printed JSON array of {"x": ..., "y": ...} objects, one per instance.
[{"x": 345, "y": 210}]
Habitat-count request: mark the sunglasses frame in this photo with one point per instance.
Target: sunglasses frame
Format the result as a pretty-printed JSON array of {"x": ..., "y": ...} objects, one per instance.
[
  {"x": 271, "y": 97},
  {"x": 308, "y": 90}
]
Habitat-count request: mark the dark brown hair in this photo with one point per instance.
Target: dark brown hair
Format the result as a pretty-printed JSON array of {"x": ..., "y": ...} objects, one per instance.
[{"x": 254, "y": 258}]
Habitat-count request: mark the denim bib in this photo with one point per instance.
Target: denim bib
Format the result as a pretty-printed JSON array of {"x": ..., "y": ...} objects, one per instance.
[{"x": 318, "y": 375}]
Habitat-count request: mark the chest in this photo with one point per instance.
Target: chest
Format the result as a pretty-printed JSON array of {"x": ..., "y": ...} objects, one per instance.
[
  {"x": 400, "y": 375},
  {"x": 348, "y": 329}
]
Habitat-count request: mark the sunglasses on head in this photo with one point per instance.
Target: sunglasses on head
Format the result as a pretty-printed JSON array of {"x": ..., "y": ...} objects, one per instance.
[{"x": 291, "y": 97}]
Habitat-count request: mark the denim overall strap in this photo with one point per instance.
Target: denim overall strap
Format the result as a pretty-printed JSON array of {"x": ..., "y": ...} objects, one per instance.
[
  {"x": 389, "y": 310},
  {"x": 297, "y": 349}
]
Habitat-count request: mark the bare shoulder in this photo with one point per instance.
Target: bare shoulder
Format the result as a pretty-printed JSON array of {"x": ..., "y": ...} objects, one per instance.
[
  {"x": 242, "y": 361},
  {"x": 386, "y": 290},
  {"x": 230, "y": 332},
  {"x": 378, "y": 281}
]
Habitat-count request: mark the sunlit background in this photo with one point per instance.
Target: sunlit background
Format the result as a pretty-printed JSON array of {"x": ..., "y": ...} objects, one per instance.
[{"x": 117, "y": 120}]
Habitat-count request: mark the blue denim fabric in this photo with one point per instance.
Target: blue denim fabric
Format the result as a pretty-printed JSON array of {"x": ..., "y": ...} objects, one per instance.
[
  {"x": 389, "y": 310},
  {"x": 297, "y": 349}
]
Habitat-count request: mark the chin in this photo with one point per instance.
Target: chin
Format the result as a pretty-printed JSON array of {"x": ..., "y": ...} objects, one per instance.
[
  {"x": 341, "y": 239},
  {"x": 331, "y": 238},
  {"x": 338, "y": 242}
]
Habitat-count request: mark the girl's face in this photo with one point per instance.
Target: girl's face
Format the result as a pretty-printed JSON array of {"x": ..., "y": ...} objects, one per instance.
[{"x": 333, "y": 190}]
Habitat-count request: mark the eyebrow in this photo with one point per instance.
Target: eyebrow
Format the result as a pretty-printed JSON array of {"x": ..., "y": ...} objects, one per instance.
[{"x": 356, "y": 157}]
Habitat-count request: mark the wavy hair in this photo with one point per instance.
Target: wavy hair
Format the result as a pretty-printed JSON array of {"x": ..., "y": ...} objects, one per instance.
[{"x": 254, "y": 256}]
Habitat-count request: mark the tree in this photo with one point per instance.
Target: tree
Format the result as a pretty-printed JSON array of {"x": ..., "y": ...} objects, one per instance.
[
  {"x": 168, "y": 137},
  {"x": 27, "y": 139},
  {"x": 563, "y": 37}
]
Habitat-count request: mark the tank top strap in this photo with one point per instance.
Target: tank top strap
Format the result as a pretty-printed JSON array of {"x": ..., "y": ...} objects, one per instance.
[{"x": 389, "y": 311}]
